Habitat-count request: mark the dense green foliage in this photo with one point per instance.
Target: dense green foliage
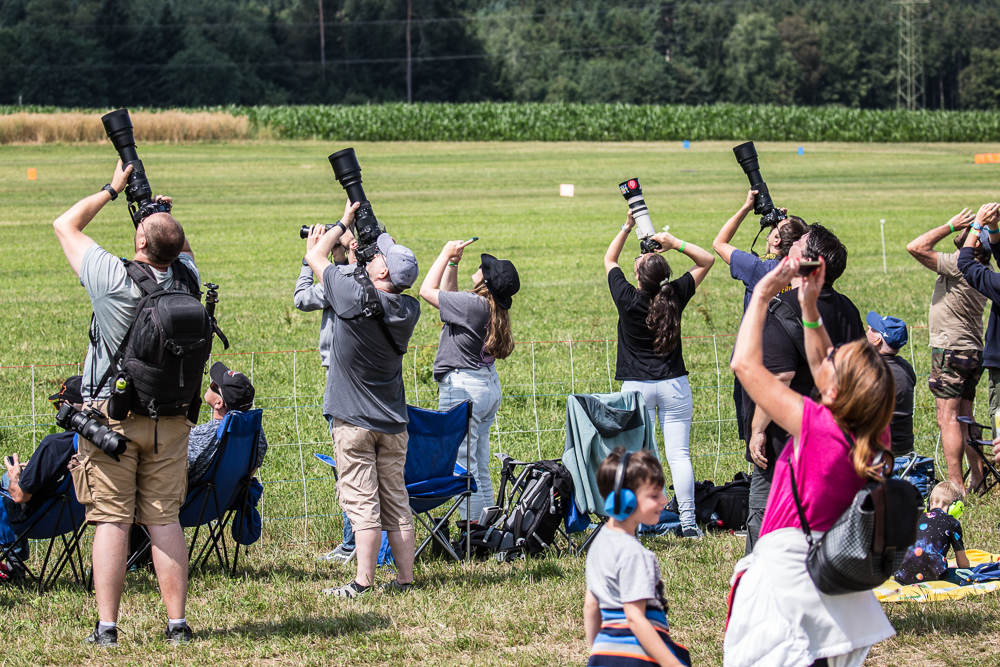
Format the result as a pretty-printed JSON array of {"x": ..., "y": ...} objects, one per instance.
[{"x": 100, "y": 53}]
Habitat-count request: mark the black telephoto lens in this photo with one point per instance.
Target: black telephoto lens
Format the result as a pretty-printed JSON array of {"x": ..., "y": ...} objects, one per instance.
[
  {"x": 118, "y": 125},
  {"x": 111, "y": 443},
  {"x": 367, "y": 228},
  {"x": 746, "y": 156},
  {"x": 305, "y": 229}
]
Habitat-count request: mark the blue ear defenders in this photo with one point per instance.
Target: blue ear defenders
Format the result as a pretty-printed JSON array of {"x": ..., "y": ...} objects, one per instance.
[{"x": 621, "y": 503}]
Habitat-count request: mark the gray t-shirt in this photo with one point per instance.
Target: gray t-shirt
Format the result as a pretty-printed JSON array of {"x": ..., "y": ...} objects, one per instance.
[
  {"x": 114, "y": 298},
  {"x": 620, "y": 570},
  {"x": 466, "y": 317},
  {"x": 203, "y": 443},
  {"x": 364, "y": 386}
]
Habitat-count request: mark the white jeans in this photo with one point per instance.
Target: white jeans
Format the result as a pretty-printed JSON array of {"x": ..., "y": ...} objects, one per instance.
[
  {"x": 482, "y": 387},
  {"x": 671, "y": 400}
]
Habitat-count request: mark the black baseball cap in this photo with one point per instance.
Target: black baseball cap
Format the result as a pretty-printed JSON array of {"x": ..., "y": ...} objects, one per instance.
[
  {"x": 233, "y": 386},
  {"x": 71, "y": 391},
  {"x": 501, "y": 279}
]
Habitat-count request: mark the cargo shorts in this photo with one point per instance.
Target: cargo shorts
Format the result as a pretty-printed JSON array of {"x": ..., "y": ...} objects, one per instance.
[
  {"x": 371, "y": 488},
  {"x": 148, "y": 485},
  {"x": 955, "y": 373}
]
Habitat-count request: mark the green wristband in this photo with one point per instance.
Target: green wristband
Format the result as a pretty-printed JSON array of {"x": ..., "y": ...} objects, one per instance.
[
  {"x": 683, "y": 245},
  {"x": 452, "y": 263},
  {"x": 812, "y": 325},
  {"x": 951, "y": 227}
]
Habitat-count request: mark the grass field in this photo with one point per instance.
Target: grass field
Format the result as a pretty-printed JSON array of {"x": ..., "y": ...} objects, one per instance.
[{"x": 242, "y": 204}]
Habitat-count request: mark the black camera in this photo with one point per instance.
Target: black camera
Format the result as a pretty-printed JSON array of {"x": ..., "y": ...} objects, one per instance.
[
  {"x": 141, "y": 204},
  {"x": 85, "y": 423},
  {"x": 746, "y": 155},
  {"x": 632, "y": 191},
  {"x": 367, "y": 228},
  {"x": 304, "y": 231}
]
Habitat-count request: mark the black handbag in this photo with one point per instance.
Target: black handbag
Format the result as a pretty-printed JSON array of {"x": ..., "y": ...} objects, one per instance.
[{"x": 868, "y": 543}]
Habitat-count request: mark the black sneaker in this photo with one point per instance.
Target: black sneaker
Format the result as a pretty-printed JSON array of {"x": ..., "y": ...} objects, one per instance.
[
  {"x": 106, "y": 639},
  {"x": 180, "y": 634}
]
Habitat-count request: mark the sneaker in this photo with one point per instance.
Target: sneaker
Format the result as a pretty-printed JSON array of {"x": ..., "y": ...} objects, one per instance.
[
  {"x": 342, "y": 554},
  {"x": 692, "y": 533},
  {"x": 349, "y": 591},
  {"x": 180, "y": 634},
  {"x": 395, "y": 588},
  {"x": 106, "y": 639}
]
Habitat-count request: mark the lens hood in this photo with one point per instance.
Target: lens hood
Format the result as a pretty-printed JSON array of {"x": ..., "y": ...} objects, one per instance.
[{"x": 746, "y": 156}]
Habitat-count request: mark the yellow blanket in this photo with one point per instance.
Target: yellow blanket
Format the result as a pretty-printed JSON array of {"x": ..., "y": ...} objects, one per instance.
[{"x": 931, "y": 591}]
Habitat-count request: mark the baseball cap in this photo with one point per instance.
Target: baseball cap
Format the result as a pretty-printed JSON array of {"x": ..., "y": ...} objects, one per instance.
[
  {"x": 400, "y": 261},
  {"x": 501, "y": 279},
  {"x": 892, "y": 329},
  {"x": 71, "y": 391},
  {"x": 234, "y": 387}
]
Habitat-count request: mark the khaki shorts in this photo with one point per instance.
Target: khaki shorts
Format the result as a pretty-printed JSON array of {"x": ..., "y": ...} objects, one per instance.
[
  {"x": 955, "y": 373},
  {"x": 371, "y": 489},
  {"x": 146, "y": 486}
]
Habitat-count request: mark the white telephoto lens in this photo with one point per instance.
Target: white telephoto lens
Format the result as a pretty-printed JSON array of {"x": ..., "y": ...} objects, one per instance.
[{"x": 643, "y": 225}]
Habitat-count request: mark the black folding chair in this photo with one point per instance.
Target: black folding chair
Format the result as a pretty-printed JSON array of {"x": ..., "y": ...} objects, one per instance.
[
  {"x": 60, "y": 518},
  {"x": 976, "y": 442}
]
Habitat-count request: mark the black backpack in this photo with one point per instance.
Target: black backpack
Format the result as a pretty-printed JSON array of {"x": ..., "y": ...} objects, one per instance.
[
  {"x": 729, "y": 503},
  {"x": 164, "y": 352}
]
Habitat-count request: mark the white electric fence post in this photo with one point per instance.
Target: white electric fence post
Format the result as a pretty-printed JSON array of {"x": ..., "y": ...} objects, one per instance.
[
  {"x": 534, "y": 401},
  {"x": 298, "y": 436},
  {"x": 718, "y": 406},
  {"x": 416, "y": 392},
  {"x": 251, "y": 367},
  {"x": 607, "y": 359},
  {"x": 34, "y": 437},
  {"x": 572, "y": 375},
  {"x": 882, "y": 226}
]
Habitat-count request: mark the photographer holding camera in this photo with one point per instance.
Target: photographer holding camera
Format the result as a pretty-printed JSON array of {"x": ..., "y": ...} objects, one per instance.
[
  {"x": 149, "y": 481},
  {"x": 365, "y": 396}
]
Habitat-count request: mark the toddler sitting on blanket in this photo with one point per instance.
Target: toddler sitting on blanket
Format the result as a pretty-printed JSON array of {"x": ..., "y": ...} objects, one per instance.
[{"x": 927, "y": 559}]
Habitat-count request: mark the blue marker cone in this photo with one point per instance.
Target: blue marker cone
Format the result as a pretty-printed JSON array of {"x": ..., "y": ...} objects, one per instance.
[
  {"x": 686, "y": 144},
  {"x": 802, "y": 151}
]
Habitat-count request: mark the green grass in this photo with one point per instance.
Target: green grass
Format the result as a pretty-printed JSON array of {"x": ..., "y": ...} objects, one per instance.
[{"x": 242, "y": 204}]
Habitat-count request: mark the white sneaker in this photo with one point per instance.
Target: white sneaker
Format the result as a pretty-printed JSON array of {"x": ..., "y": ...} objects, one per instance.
[
  {"x": 341, "y": 554},
  {"x": 692, "y": 533}
]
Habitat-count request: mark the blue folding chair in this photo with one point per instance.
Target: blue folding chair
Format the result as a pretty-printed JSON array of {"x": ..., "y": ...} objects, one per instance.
[
  {"x": 222, "y": 490},
  {"x": 432, "y": 475},
  {"x": 60, "y": 517}
]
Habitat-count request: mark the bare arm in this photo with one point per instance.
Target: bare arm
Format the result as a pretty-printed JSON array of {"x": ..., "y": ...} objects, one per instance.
[
  {"x": 14, "y": 473},
  {"x": 649, "y": 638},
  {"x": 721, "y": 243},
  {"x": 767, "y": 391},
  {"x": 442, "y": 276},
  {"x": 703, "y": 260},
  {"x": 986, "y": 218},
  {"x": 591, "y": 618},
  {"x": 962, "y": 560},
  {"x": 615, "y": 249},
  {"x": 761, "y": 420},
  {"x": 70, "y": 225},
  {"x": 322, "y": 245},
  {"x": 922, "y": 247}
]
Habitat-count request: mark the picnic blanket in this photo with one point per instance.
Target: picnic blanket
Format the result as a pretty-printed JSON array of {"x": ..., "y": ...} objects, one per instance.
[{"x": 933, "y": 591}]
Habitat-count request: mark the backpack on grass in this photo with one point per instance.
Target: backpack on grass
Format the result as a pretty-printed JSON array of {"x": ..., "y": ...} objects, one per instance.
[{"x": 726, "y": 507}]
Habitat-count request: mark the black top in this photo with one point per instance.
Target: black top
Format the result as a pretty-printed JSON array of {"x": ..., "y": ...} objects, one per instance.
[
  {"x": 781, "y": 354},
  {"x": 901, "y": 425},
  {"x": 927, "y": 559},
  {"x": 46, "y": 468},
  {"x": 637, "y": 360}
]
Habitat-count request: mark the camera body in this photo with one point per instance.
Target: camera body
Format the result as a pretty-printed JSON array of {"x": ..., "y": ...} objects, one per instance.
[
  {"x": 632, "y": 191},
  {"x": 141, "y": 205},
  {"x": 367, "y": 228},
  {"x": 746, "y": 156},
  {"x": 86, "y": 424}
]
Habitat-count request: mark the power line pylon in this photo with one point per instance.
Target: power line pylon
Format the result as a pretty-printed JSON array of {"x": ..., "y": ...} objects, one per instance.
[{"x": 910, "y": 68}]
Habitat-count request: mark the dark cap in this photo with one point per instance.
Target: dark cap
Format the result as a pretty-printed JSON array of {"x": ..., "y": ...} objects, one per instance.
[
  {"x": 501, "y": 279},
  {"x": 71, "y": 391},
  {"x": 234, "y": 387}
]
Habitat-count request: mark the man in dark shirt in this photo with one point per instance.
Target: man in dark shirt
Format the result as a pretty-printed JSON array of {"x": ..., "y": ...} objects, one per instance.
[
  {"x": 784, "y": 355},
  {"x": 26, "y": 486},
  {"x": 888, "y": 335}
]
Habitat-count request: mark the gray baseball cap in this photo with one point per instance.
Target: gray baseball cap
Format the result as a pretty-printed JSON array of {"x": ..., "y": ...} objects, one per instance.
[{"x": 400, "y": 261}]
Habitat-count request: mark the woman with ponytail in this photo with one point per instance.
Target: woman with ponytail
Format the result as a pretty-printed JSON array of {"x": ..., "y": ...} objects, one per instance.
[
  {"x": 777, "y": 616},
  {"x": 476, "y": 332},
  {"x": 650, "y": 360}
]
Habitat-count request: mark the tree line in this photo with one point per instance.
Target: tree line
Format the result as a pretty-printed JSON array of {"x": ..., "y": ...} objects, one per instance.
[{"x": 160, "y": 53}]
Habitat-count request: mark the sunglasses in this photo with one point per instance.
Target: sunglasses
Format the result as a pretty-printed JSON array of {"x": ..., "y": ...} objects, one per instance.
[{"x": 830, "y": 357}]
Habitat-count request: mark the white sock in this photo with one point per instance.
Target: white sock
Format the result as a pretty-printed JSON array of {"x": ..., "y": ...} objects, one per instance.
[
  {"x": 175, "y": 622},
  {"x": 102, "y": 626}
]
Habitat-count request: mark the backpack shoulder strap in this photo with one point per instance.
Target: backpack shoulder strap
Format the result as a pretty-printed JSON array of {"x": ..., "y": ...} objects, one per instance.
[
  {"x": 372, "y": 307},
  {"x": 183, "y": 275},
  {"x": 790, "y": 323},
  {"x": 141, "y": 277}
]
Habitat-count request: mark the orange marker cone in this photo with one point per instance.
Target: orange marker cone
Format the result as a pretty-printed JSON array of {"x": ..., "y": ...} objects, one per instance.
[{"x": 32, "y": 174}]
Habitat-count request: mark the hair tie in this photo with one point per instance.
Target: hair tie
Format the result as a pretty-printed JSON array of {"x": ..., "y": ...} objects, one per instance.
[{"x": 664, "y": 282}]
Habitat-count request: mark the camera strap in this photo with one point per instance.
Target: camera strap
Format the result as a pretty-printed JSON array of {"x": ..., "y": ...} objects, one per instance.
[{"x": 372, "y": 307}]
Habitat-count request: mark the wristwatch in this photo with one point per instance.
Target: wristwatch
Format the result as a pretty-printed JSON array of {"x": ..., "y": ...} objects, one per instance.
[
  {"x": 111, "y": 191},
  {"x": 304, "y": 262}
]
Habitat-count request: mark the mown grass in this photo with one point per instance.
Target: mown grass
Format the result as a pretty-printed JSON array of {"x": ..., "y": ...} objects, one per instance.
[{"x": 242, "y": 204}]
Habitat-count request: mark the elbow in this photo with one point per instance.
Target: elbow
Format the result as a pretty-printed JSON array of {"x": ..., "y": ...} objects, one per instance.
[
  {"x": 709, "y": 263},
  {"x": 911, "y": 248}
]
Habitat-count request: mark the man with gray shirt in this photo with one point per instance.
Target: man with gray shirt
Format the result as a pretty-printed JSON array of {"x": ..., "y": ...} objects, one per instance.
[
  {"x": 366, "y": 399},
  {"x": 149, "y": 482}
]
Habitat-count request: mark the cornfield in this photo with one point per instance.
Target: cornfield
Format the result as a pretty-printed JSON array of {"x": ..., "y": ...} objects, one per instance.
[{"x": 513, "y": 122}]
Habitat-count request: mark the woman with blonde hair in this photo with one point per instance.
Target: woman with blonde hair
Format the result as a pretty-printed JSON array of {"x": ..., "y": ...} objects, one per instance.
[
  {"x": 476, "y": 331},
  {"x": 777, "y": 616}
]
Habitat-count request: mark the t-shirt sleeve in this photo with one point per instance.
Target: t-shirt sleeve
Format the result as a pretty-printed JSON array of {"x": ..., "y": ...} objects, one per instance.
[
  {"x": 957, "y": 537},
  {"x": 637, "y": 576},
  {"x": 622, "y": 290},
  {"x": 344, "y": 294},
  {"x": 188, "y": 262},
  {"x": 947, "y": 264},
  {"x": 101, "y": 272},
  {"x": 684, "y": 287},
  {"x": 458, "y": 307},
  {"x": 48, "y": 463}
]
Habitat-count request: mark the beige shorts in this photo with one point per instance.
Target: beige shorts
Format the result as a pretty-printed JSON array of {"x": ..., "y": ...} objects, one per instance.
[
  {"x": 146, "y": 486},
  {"x": 371, "y": 489}
]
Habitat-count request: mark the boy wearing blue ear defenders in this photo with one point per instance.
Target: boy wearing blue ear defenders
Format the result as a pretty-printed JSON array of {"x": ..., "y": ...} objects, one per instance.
[
  {"x": 939, "y": 529},
  {"x": 625, "y": 612}
]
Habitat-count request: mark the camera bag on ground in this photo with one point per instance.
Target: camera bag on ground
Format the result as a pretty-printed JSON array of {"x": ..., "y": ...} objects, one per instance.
[
  {"x": 868, "y": 543},
  {"x": 527, "y": 516},
  {"x": 163, "y": 355},
  {"x": 730, "y": 503}
]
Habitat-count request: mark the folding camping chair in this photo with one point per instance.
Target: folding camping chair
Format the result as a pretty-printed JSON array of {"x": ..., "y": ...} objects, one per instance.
[
  {"x": 976, "y": 442},
  {"x": 220, "y": 493},
  {"x": 62, "y": 517}
]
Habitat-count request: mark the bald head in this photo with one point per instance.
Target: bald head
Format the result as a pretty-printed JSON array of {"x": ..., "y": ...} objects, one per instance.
[{"x": 164, "y": 238}]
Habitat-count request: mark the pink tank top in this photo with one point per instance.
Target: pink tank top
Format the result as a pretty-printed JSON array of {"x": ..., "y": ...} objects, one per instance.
[{"x": 827, "y": 482}]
